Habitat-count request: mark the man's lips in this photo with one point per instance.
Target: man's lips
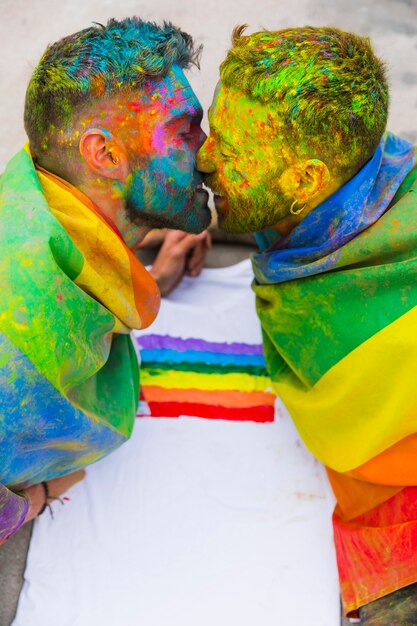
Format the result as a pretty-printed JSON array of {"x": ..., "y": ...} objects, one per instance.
[
  {"x": 199, "y": 189},
  {"x": 220, "y": 201}
]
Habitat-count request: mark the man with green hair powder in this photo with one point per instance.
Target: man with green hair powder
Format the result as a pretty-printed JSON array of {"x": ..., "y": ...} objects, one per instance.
[{"x": 298, "y": 153}]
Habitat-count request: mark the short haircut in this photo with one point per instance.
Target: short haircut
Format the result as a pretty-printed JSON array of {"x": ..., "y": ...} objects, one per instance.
[
  {"x": 99, "y": 62},
  {"x": 327, "y": 87}
]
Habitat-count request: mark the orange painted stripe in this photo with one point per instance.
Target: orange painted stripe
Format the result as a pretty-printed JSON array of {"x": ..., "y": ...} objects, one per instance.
[{"x": 229, "y": 398}]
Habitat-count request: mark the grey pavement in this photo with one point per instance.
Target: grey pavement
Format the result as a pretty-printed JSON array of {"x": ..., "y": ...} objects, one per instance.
[{"x": 12, "y": 566}]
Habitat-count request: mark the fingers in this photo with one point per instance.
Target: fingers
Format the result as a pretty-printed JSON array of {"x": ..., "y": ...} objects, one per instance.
[
  {"x": 36, "y": 497},
  {"x": 184, "y": 242},
  {"x": 154, "y": 238},
  {"x": 195, "y": 261},
  {"x": 180, "y": 253},
  {"x": 197, "y": 257},
  {"x": 191, "y": 248},
  {"x": 169, "y": 265}
]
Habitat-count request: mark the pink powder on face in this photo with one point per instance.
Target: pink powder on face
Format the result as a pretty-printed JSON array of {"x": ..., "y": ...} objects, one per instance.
[{"x": 158, "y": 138}]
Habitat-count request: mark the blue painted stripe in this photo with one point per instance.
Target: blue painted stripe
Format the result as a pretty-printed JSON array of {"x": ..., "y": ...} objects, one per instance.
[{"x": 199, "y": 356}]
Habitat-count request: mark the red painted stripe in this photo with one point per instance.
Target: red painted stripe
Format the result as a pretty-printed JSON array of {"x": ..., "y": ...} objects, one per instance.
[{"x": 176, "y": 409}]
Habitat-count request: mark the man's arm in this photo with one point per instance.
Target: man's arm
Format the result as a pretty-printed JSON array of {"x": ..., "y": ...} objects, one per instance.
[{"x": 18, "y": 508}]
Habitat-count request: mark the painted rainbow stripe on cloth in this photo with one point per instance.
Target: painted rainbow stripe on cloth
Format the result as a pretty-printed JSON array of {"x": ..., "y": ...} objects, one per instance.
[{"x": 204, "y": 379}]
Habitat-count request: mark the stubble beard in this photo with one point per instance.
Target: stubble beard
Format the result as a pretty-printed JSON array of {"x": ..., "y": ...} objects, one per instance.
[
  {"x": 193, "y": 217},
  {"x": 255, "y": 215}
]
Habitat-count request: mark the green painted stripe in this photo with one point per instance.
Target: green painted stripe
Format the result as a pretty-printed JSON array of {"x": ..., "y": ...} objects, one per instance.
[{"x": 206, "y": 368}]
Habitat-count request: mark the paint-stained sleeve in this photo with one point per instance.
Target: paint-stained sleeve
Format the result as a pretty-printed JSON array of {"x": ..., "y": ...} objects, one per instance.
[{"x": 13, "y": 511}]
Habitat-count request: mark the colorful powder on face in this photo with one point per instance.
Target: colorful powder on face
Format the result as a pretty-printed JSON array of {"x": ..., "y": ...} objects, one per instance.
[
  {"x": 326, "y": 87},
  {"x": 204, "y": 379},
  {"x": 249, "y": 159},
  {"x": 100, "y": 62},
  {"x": 285, "y": 98}
]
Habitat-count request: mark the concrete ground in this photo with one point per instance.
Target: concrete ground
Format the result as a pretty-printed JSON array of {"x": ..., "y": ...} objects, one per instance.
[
  {"x": 27, "y": 27},
  {"x": 12, "y": 566}
]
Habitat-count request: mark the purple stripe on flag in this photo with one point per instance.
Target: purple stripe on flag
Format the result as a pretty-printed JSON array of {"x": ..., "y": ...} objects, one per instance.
[{"x": 153, "y": 342}]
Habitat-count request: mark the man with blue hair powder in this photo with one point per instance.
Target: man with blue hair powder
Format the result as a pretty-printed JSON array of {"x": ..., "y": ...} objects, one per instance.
[{"x": 113, "y": 128}]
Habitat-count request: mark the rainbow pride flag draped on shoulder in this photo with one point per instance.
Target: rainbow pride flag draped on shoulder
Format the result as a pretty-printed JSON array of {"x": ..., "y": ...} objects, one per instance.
[
  {"x": 337, "y": 302},
  {"x": 71, "y": 291}
]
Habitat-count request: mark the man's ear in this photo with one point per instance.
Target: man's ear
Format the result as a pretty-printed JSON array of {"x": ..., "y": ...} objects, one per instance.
[
  {"x": 314, "y": 177},
  {"x": 103, "y": 154},
  {"x": 303, "y": 180}
]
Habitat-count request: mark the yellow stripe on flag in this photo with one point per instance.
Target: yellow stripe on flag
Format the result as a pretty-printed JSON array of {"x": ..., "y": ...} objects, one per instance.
[{"x": 345, "y": 419}]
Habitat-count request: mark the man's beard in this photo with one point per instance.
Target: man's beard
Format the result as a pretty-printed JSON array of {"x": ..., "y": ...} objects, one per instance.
[
  {"x": 249, "y": 215},
  {"x": 192, "y": 217},
  {"x": 139, "y": 217}
]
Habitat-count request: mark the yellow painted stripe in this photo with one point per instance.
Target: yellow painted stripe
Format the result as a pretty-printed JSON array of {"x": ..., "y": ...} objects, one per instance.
[
  {"x": 174, "y": 379},
  {"x": 365, "y": 403}
]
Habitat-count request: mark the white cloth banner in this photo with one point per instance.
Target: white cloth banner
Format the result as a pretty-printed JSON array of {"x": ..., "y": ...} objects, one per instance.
[{"x": 193, "y": 522}]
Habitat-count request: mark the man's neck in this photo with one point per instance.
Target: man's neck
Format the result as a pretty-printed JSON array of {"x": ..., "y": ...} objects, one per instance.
[
  {"x": 290, "y": 221},
  {"x": 111, "y": 205}
]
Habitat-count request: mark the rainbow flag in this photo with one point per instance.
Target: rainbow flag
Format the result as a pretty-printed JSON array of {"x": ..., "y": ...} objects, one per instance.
[
  {"x": 214, "y": 380},
  {"x": 71, "y": 291},
  {"x": 337, "y": 300}
]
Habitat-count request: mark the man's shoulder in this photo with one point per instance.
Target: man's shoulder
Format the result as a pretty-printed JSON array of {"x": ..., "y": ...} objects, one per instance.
[{"x": 30, "y": 235}]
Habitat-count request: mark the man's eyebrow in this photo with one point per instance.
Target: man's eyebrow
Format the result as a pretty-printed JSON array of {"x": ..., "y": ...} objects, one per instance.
[
  {"x": 188, "y": 114},
  {"x": 220, "y": 134}
]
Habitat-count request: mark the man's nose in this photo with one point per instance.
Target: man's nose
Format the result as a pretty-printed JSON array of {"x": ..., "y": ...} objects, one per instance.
[{"x": 205, "y": 162}]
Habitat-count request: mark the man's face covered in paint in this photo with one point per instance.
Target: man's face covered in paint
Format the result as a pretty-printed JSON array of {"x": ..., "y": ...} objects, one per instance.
[
  {"x": 161, "y": 131},
  {"x": 243, "y": 158}
]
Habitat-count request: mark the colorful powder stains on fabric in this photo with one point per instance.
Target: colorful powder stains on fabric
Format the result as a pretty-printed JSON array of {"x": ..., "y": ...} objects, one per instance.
[
  {"x": 69, "y": 379},
  {"x": 205, "y": 379},
  {"x": 376, "y": 551}
]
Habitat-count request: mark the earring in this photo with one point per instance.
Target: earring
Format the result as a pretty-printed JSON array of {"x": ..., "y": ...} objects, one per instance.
[
  {"x": 115, "y": 160},
  {"x": 293, "y": 212}
]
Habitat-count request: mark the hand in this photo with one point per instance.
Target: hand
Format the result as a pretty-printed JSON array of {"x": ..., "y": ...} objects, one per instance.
[
  {"x": 56, "y": 486},
  {"x": 180, "y": 253},
  {"x": 154, "y": 238}
]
